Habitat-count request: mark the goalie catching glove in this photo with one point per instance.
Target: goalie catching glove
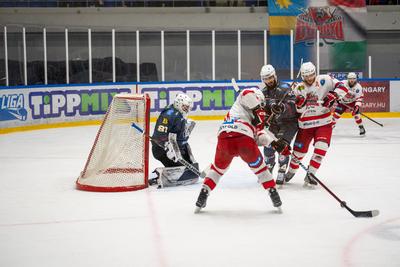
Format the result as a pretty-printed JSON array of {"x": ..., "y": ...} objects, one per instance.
[{"x": 281, "y": 146}]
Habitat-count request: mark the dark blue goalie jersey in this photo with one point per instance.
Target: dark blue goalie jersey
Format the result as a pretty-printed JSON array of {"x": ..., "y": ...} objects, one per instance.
[{"x": 170, "y": 121}]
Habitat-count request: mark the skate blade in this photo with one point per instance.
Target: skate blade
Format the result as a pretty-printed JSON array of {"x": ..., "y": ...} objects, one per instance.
[
  {"x": 280, "y": 186},
  {"x": 197, "y": 210},
  {"x": 309, "y": 186},
  {"x": 279, "y": 210}
]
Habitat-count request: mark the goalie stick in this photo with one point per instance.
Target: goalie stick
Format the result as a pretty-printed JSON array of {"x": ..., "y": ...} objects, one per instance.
[
  {"x": 362, "y": 114},
  {"x": 343, "y": 204},
  {"x": 180, "y": 160}
]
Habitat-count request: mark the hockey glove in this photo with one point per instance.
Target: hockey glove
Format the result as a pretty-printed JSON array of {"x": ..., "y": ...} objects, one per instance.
[
  {"x": 172, "y": 148},
  {"x": 356, "y": 110},
  {"x": 171, "y": 153},
  {"x": 329, "y": 99},
  {"x": 259, "y": 118},
  {"x": 281, "y": 146},
  {"x": 277, "y": 109},
  {"x": 300, "y": 101}
]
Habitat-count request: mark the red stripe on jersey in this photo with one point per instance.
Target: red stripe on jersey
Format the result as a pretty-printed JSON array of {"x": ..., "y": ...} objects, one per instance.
[
  {"x": 247, "y": 91},
  {"x": 294, "y": 165},
  {"x": 210, "y": 183},
  {"x": 215, "y": 169},
  {"x": 269, "y": 184},
  {"x": 320, "y": 152},
  {"x": 262, "y": 170},
  {"x": 326, "y": 115}
]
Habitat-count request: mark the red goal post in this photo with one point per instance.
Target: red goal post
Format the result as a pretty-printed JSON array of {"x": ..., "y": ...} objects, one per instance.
[{"x": 119, "y": 158}]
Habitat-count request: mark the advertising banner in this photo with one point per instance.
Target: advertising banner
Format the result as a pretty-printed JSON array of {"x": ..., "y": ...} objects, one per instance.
[
  {"x": 45, "y": 105},
  {"x": 341, "y": 26},
  {"x": 209, "y": 99},
  {"x": 376, "y": 96}
]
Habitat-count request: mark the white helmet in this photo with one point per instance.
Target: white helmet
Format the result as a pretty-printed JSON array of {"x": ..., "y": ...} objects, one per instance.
[
  {"x": 260, "y": 95},
  {"x": 351, "y": 75},
  {"x": 267, "y": 71},
  {"x": 307, "y": 69},
  {"x": 183, "y": 103}
]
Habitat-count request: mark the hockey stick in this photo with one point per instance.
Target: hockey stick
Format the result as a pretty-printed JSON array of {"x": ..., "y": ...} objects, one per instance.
[
  {"x": 235, "y": 85},
  {"x": 362, "y": 114},
  {"x": 180, "y": 160},
  {"x": 343, "y": 204}
]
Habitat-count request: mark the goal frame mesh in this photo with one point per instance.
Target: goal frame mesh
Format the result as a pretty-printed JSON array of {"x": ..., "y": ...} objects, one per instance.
[{"x": 146, "y": 140}]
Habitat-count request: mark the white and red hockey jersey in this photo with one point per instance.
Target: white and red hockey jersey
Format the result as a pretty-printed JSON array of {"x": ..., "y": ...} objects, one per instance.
[
  {"x": 354, "y": 94},
  {"x": 313, "y": 114},
  {"x": 240, "y": 116}
]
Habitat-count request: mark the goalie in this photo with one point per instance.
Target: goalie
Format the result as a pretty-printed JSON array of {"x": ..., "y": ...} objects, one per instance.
[{"x": 170, "y": 144}]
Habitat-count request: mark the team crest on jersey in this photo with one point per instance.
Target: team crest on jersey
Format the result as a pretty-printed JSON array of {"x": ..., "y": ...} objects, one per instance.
[
  {"x": 301, "y": 87},
  {"x": 322, "y": 82},
  {"x": 298, "y": 144}
]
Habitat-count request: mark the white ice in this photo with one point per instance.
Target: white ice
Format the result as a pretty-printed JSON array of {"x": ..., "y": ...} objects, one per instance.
[{"x": 45, "y": 221}]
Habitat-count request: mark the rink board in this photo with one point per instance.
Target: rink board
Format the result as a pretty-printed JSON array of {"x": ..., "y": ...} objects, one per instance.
[{"x": 38, "y": 107}]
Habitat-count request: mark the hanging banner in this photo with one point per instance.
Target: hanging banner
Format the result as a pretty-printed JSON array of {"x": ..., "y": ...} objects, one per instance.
[{"x": 342, "y": 35}]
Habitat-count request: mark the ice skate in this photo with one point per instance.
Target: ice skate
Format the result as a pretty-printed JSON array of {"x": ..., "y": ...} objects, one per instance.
[
  {"x": 276, "y": 200},
  {"x": 309, "y": 182},
  {"x": 289, "y": 176},
  {"x": 362, "y": 130},
  {"x": 201, "y": 200}
]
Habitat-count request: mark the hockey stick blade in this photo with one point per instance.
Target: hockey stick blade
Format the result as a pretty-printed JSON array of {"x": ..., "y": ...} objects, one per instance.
[
  {"x": 366, "y": 214},
  {"x": 363, "y": 214},
  {"x": 357, "y": 214}
]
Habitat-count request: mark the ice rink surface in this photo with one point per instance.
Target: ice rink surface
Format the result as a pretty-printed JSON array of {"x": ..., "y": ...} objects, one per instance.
[{"x": 45, "y": 221}]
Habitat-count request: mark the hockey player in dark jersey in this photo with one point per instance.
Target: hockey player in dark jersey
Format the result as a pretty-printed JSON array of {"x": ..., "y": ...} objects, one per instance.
[
  {"x": 170, "y": 144},
  {"x": 282, "y": 120}
]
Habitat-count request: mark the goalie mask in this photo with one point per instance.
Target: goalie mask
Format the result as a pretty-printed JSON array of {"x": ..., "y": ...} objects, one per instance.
[{"x": 183, "y": 103}]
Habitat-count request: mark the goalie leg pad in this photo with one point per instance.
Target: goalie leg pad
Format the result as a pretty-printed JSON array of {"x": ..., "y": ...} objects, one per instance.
[{"x": 175, "y": 176}]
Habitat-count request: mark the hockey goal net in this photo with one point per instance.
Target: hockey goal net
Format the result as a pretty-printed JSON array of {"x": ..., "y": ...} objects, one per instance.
[{"x": 118, "y": 160}]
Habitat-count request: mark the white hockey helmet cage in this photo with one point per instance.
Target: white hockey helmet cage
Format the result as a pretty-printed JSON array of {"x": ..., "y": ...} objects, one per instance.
[
  {"x": 267, "y": 71},
  {"x": 351, "y": 75},
  {"x": 183, "y": 103},
  {"x": 307, "y": 69}
]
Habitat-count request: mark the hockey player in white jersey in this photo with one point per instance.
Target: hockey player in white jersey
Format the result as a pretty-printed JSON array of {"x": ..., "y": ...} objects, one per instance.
[
  {"x": 352, "y": 101},
  {"x": 315, "y": 95},
  {"x": 239, "y": 135}
]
